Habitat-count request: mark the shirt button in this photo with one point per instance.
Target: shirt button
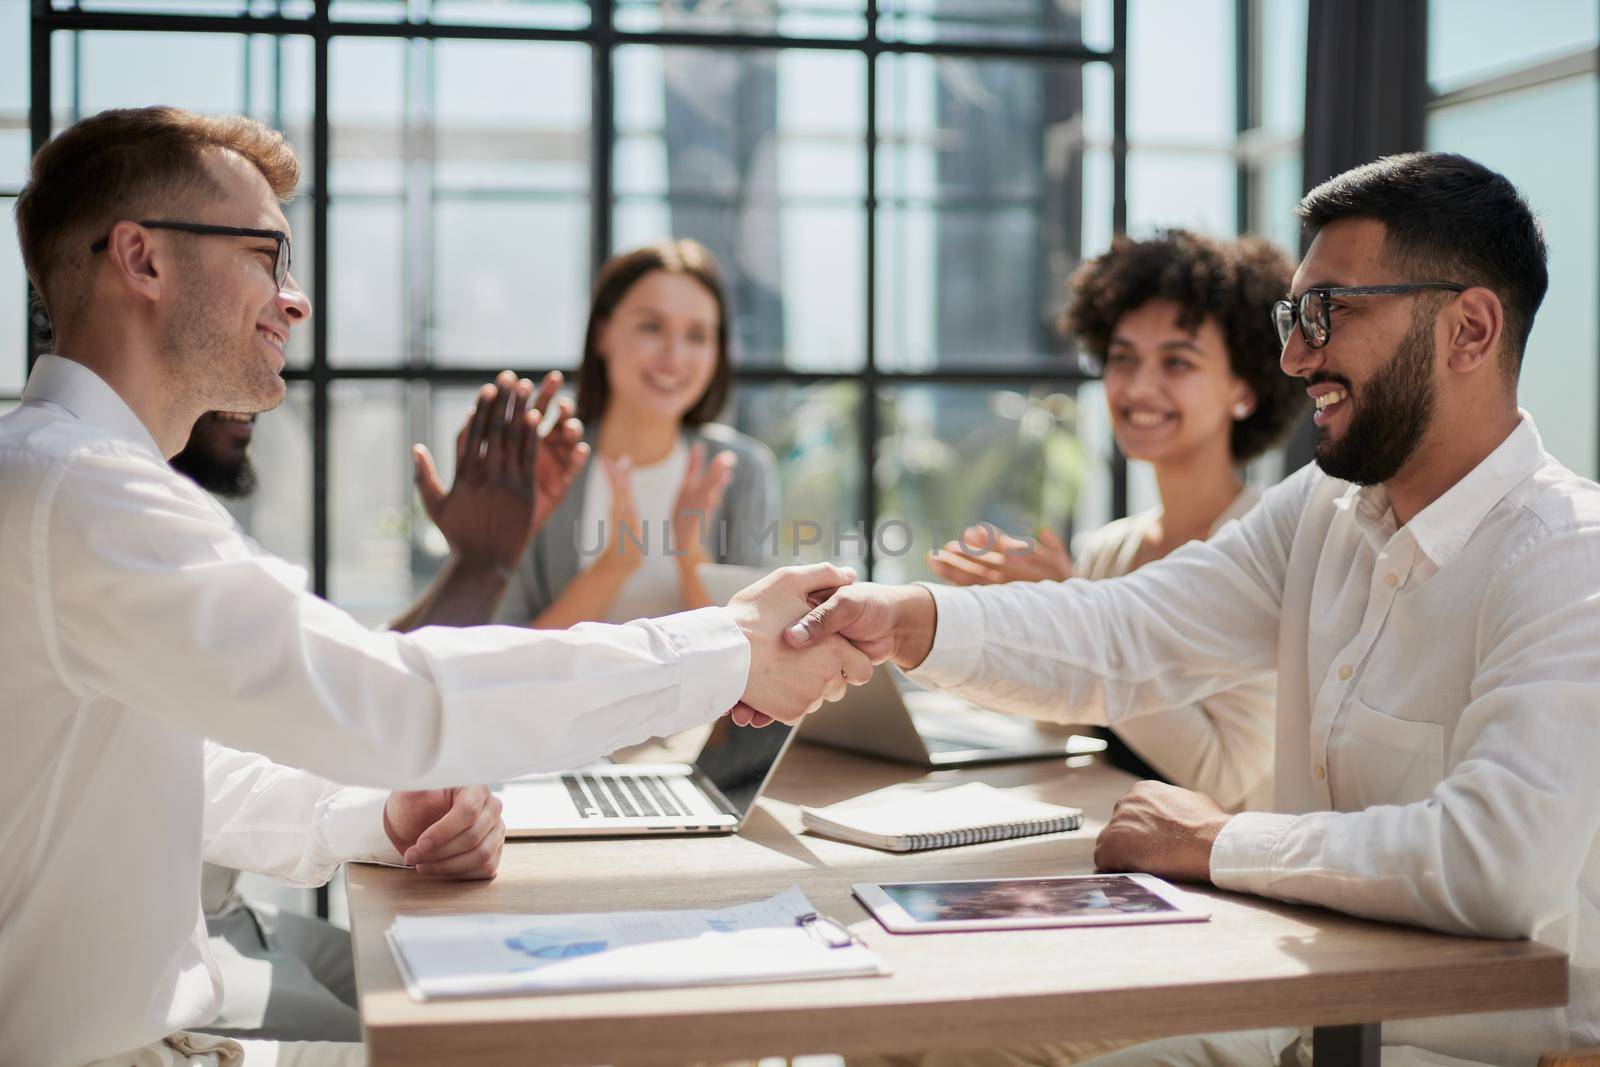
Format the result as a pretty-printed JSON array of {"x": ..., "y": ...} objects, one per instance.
[
  {"x": 1321, "y": 774},
  {"x": 1345, "y": 672},
  {"x": 1391, "y": 580}
]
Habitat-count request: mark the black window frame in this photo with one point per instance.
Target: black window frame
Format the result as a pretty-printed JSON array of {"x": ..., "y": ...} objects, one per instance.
[{"x": 603, "y": 38}]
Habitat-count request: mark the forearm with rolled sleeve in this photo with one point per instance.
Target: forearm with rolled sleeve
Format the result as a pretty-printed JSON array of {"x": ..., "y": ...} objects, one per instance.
[
  {"x": 164, "y": 607},
  {"x": 286, "y": 823},
  {"x": 1202, "y": 620}
]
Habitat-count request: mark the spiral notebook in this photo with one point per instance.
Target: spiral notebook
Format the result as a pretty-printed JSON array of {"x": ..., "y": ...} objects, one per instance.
[{"x": 920, "y": 815}]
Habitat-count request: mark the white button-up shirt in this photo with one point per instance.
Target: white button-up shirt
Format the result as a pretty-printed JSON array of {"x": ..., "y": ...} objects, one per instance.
[
  {"x": 136, "y": 621},
  {"x": 1438, "y": 733}
]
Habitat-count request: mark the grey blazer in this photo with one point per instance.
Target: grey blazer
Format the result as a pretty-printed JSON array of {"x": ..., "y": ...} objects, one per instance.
[{"x": 748, "y": 505}]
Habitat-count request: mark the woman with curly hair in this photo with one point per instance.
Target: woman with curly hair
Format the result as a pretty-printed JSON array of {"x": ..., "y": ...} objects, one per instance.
[{"x": 1179, "y": 325}]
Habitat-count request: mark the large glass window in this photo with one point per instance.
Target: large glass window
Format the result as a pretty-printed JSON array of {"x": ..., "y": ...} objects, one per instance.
[
  {"x": 758, "y": 154},
  {"x": 1473, "y": 40},
  {"x": 814, "y": 431},
  {"x": 980, "y": 185},
  {"x": 458, "y": 214},
  {"x": 14, "y": 152},
  {"x": 1215, "y": 108},
  {"x": 13, "y": 97},
  {"x": 1269, "y": 146},
  {"x": 896, "y": 202},
  {"x": 12, "y": 311},
  {"x": 1516, "y": 88},
  {"x": 1009, "y": 454},
  {"x": 472, "y": 187},
  {"x": 1181, "y": 125},
  {"x": 1216, "y": 102}
]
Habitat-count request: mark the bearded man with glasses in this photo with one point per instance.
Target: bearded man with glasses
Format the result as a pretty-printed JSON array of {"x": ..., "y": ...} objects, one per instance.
[{"x": 1428, "y": 593}]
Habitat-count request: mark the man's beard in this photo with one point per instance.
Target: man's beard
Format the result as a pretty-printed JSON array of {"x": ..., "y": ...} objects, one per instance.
[
  {"x": 1387, "y": 422},
  {"x": 230, "y": 478}
]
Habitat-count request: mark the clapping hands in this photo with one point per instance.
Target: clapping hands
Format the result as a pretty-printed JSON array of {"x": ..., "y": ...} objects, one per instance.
[
  {"x": 624, "y": 547},
  {"x": 704, "y": 484},
  {"x": 988, "y": 556},
  {"x": 508, "y": 478}
]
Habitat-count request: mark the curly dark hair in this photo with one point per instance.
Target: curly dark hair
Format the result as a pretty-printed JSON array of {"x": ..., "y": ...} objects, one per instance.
[{"x": 1234, "y": 282}]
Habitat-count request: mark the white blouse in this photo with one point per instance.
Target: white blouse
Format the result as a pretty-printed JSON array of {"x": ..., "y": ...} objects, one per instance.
[{"x": 653, "y": 589}]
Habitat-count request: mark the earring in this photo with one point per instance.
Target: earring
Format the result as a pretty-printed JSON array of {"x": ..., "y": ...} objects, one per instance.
[{"x": 1241, "y": 410}]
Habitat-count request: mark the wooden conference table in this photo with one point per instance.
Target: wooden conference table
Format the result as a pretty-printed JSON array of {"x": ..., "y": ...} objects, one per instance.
[{"x": 1255, "y": 964}]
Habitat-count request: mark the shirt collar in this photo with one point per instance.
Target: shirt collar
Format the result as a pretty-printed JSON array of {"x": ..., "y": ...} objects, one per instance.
[
  {"x": 84, "y": 395},
  {"x": 1442, "y": 528},
  {"x": 1369, "y": 505}
]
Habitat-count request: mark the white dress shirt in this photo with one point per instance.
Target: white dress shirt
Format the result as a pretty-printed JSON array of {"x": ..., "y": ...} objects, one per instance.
[
  {"x": 1222, "y": 747},
  {"x": 137, "y": 622},
  {"x": 1438, "y": 703}
]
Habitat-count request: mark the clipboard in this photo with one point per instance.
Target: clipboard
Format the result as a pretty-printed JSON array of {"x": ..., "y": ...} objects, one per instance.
[{"x": 782, "y": 938}]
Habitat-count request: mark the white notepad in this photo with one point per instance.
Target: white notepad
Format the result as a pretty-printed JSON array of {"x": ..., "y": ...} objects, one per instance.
[
  {"x": 778, "y": 939},
  {"x": 918, "y": 815}
]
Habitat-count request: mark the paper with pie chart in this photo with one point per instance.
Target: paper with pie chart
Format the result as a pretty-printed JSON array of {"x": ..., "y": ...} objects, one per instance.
[{"x": 500, "y": 954}]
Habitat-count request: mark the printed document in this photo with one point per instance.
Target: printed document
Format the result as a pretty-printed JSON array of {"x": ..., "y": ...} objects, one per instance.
[{"x": 495, "y": 954}]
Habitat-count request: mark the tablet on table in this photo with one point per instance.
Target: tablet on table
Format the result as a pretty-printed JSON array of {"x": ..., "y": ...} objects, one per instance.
[{"x": 1025, "y": 903}]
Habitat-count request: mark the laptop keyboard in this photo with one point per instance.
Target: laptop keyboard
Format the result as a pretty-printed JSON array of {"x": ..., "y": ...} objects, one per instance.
[{"x": 604, "y": 796}]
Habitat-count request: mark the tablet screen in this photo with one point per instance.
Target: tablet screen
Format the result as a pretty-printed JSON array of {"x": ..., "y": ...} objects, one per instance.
[{"x": 1094, "y": 896}]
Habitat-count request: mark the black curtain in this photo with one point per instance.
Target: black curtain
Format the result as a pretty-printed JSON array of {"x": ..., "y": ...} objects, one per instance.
[
  {"x": 1366, "y": 82},
  {"x": 1366, "y": 96}
]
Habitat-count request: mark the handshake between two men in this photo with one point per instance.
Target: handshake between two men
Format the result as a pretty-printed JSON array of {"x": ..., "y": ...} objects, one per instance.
[{"x": 815, "y": 629}]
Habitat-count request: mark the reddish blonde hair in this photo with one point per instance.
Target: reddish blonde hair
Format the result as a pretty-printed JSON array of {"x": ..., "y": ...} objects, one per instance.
[{"x": 121, "y": 164}]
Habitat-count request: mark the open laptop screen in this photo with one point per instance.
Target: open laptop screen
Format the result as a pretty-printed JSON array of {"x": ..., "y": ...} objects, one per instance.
[{"x": 738, "y": 759}]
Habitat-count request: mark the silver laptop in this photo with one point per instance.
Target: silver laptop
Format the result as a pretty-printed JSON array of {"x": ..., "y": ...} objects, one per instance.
[
  {"x": 712, "y": 795},
  {"x": 893, "y": 717}
]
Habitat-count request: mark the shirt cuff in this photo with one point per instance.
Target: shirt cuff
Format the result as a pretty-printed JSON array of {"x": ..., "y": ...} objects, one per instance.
[
  {"x": 1241, "y": 856},
  {"x": 352, "y": 827},
  {"x": 713, "y": 664},
  {"x": 958, "y": 638}
]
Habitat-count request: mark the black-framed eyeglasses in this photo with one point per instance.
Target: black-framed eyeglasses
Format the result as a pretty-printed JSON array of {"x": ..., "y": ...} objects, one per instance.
[
  {"x": 1310, "y": 309},
  {"x": 280, "y": 257}
]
